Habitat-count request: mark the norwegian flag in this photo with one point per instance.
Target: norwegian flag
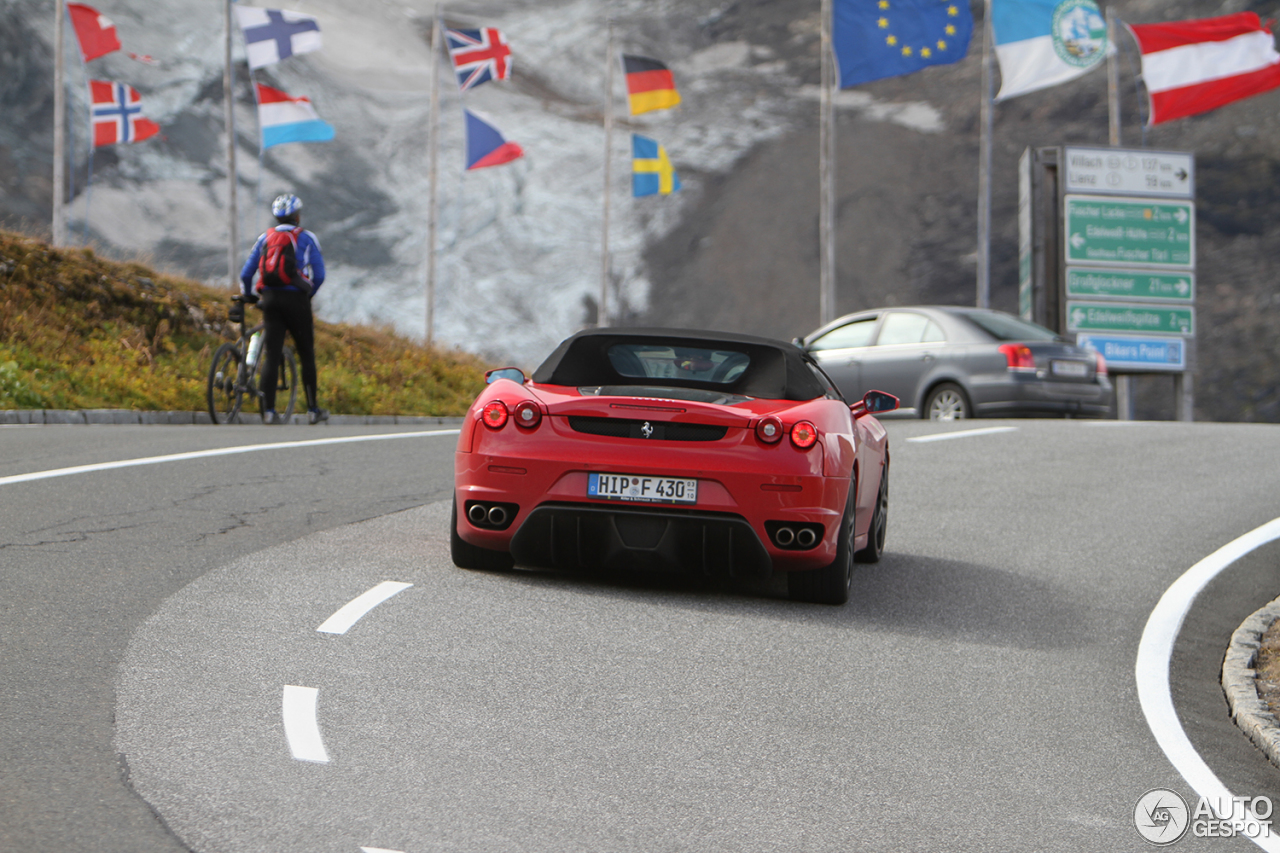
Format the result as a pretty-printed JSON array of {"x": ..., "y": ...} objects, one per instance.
[
  {"x": 117, "y": 114},
  {"x": 94, "y": 30},
  {"x": 478, "y": 56}
]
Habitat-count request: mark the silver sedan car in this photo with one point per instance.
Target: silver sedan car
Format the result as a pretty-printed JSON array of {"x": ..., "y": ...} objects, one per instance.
[{"x": 947, "y": 362}]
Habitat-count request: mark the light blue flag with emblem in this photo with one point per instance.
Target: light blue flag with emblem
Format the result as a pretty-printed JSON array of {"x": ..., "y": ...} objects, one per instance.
[{"x": 1041, "y": 43}]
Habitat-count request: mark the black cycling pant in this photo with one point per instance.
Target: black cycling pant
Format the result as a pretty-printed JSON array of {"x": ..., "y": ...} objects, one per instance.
[{"x": 287, "y": 310}]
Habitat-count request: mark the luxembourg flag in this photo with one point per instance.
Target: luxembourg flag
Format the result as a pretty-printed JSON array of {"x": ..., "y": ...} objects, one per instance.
[
  {"x": 1041, "y": 43},
  {"x": 1192, "y": 67},
  {"x": 284, "y": 118},
  {"x": 486, "y": 146}
]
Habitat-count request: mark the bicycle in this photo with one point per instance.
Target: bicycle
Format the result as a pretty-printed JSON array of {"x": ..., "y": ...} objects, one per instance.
[{"x": 233, "y": 375}]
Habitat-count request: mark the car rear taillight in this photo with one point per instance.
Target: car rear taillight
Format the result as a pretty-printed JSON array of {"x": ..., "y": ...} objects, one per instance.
[
  {"x": 527, "y": 414},
  {"x": 804, "y": 435},
  {"x": 1101, "y": 368},
  {"x": 1019, "y": 356},
  {"x": 769, "y": 430},
  {"x": 494, "y": 414}
]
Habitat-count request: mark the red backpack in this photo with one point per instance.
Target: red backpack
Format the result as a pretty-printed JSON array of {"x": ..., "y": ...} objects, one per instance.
[{"x": 278, "y": 265}]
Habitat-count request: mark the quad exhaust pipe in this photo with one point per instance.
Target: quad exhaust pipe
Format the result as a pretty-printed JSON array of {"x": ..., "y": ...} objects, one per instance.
[
  {"x": 477, "y": 514},
  {"x": 497, "y": 516},
  {"x": 806, "y": 538},
  {"x": 785, "y": 536}
]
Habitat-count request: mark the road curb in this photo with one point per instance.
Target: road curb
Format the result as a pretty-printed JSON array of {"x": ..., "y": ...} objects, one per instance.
[
  {"x": 99, "y": 417},
  {"x": 1239, "y": 682}
]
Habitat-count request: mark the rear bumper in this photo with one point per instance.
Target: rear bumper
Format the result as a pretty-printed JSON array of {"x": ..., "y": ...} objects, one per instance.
[
  {"x": 1014, "y": 396},
  {"x": 573, "y": 537}
]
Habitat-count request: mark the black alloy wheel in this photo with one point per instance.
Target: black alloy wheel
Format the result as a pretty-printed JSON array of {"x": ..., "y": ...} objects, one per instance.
[{"x": 879, "y": 523}]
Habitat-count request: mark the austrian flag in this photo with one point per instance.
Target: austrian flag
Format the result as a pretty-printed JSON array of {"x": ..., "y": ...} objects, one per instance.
[
  {"x": 117, "y": 114},
  {"x": 478, "y": 56},
  {"x": 1192, "y": 67}
]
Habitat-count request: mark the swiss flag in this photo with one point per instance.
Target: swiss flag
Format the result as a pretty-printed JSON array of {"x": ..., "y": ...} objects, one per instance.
[
  {"x": 1192, "y": 67},
  {"x": 95, "y": 31},
  {"x": 117, "y": 114}
]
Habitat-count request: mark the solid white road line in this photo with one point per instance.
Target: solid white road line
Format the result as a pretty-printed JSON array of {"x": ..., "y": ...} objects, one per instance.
[
  {"x": 945, "y": 436},
  {"x": 378, "y": 850},
  {"x": 301, "y": 726},
  {"x": 219, "y": 451},
  {"x": 351, "y": 612},
  {"x": 1152, "y": 667}
]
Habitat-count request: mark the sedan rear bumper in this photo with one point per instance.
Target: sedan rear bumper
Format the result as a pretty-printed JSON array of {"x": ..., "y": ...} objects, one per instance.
[{"x": 1015, "y": 395}]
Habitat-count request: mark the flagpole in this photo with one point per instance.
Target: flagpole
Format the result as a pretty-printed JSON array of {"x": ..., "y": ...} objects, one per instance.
[
  {"x": 433, "y": 159},
  {"x": 1113, "y": 81},
  {"x": 984, "y": 168},
  {"x": 59, "y": 126},
  {"x": 88, "y": 184},
  {"x": 602, "y": 315},
  {"x": 262, "y": 150},
  {"x": 228, "y": 96},
  {"x": 826, "y": 178}
]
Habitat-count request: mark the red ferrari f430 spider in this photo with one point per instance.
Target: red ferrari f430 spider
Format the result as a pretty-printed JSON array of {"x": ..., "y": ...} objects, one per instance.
[{"x": 674, "y": 450}]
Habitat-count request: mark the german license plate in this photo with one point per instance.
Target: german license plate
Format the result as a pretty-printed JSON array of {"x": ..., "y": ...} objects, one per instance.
[
  {"x": 637, "y": 487},
  {"x": 1069, "y": 368}
]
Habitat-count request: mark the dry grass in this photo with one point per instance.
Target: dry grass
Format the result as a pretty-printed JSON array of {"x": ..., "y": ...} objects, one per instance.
[
  {"x": 81, "y": 332},
  {"x": 1267, "y": 668}
]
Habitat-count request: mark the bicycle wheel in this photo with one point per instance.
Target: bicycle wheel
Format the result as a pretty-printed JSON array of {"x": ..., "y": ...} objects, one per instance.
[
  {"x": 224, "y": 393},
  {"x": 286, "y": 384}
]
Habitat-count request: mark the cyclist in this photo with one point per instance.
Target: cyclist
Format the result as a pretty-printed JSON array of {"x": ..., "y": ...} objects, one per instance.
[{"x": 286, "y": 301}]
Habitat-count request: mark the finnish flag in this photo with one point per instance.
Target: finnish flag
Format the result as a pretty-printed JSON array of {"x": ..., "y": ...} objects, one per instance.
[{"x": 271, "y": 35}]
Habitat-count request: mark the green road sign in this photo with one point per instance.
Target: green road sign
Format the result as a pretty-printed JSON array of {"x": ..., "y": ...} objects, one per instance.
[
  {"x": 1131, "y": 284},
  {"x": 1138, "y": 232},
  {"x": 1118, "y": 317}
]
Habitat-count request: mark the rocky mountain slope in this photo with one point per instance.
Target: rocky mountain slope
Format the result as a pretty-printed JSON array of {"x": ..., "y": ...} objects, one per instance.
[{"x": 737, "y": 248}]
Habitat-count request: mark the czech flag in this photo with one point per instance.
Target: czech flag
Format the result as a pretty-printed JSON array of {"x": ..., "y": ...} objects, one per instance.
[
  {"x": 651, "y": 171},
  {"x": 486, "y": 146},
  {"x": 94, "y": 30},
  {"x": 650, "y": 85},
  {"x": 117, "y": 114},
  {"x": 1192, "y": 67},
  {"x": 284, "y": 118}
]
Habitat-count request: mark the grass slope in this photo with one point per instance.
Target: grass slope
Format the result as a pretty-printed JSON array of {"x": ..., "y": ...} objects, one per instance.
[{"x": 81, "y": 332}]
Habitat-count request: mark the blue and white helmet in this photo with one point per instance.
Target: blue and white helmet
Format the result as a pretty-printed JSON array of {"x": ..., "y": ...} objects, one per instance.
[{"x": 285, "y": 205}]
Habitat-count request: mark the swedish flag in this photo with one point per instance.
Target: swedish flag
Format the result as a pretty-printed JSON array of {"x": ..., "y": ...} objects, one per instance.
[{"x": 651, "y": 171}]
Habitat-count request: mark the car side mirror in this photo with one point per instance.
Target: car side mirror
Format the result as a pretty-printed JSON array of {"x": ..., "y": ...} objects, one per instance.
[
  {"x": 515, "y": 374},
  {"x": 874, "y": 403}
]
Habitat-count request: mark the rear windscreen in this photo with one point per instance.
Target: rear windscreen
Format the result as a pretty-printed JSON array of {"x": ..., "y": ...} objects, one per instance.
[
  {"x": 1003, "y": 327},
  {"x": 654, "y": 361}
]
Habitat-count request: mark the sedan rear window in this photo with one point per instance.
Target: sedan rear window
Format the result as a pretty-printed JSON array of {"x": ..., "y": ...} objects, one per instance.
[
  {"x": 655, "y": 361},
  {"x": 1004, "y": 327}
]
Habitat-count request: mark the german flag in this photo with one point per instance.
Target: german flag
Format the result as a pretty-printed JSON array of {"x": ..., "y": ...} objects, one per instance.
[{"x": 650, "y": 85}]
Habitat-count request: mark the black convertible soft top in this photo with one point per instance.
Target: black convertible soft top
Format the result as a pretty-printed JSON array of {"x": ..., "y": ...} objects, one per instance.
[{"x": 777, "y": 370}]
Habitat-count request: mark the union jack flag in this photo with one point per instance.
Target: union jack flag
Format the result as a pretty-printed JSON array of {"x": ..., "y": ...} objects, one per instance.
[
  {"x": 478, "y": 56},
  {"x": 117, "y": 114}
]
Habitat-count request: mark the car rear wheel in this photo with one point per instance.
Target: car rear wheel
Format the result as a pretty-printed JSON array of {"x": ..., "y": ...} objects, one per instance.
[
  {"x": 468, "y": 556},
  {"x": 947, "y": 402},
  {"x": 879, "y": 524},
  {"x": 830, "y": 584}
]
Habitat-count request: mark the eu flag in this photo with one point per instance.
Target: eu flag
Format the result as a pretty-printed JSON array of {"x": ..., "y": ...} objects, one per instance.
[{"x": 885, "y": 38}]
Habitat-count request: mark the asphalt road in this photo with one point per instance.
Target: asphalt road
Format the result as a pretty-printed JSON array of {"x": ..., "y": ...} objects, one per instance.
[{"x": 977, "y": 694}]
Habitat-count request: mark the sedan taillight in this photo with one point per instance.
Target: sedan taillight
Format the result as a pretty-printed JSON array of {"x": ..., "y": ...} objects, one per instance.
[
  {"x": 804, "y": 435},
  {"x": 1019, "y": 356},
  {"x": 1102, "y": 364}
]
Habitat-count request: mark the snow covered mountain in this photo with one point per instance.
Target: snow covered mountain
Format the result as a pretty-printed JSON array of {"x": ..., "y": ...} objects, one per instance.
[{"x": 520, "y": 245}]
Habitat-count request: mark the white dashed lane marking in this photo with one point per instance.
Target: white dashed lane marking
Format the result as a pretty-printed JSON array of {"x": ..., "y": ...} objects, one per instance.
[
  {"x": 301, "y": 726},
  {"x": 945, "y": 436},
  {"x": 351, "y": 612}
]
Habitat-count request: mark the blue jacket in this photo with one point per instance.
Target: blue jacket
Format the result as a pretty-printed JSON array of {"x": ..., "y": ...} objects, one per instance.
[{"x": 310, "y": 261}]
